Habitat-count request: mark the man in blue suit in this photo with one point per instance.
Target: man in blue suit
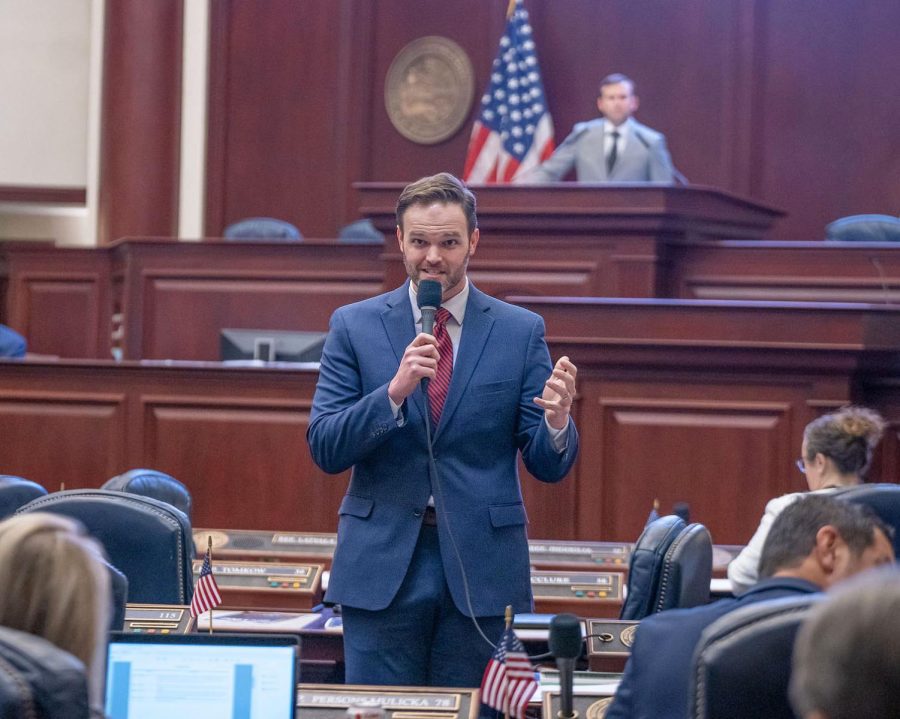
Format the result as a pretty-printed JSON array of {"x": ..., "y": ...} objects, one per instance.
[
  {"x": 613, "y": 148},
  {"x": 813, "y": 544},
  {"x": 12, "y": 344},
  {"x": 424, "y": 548}
]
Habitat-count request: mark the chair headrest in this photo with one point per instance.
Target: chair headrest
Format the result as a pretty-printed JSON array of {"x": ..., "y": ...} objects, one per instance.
[
  {"x": 39, "y": 675},
  {"x": 864, "y": 228},
  {"x": 882, "y": 498},
  {"x": 15, "y": 492},
  {"x": 12, "y": 344},
  {"x": 687, "y": 570},
  {"x": 148, "y": 540},
  {"x": 263, "y": 228},
  {"x": 360, "y": 231},
  {"x": 742, "y": 664},
  {"x": 152, "y": 483},
  {"x": 645, "y": 566}
]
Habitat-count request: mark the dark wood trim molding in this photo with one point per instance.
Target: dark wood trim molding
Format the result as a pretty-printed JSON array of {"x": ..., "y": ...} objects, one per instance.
[{"x": 41, "y": 195}]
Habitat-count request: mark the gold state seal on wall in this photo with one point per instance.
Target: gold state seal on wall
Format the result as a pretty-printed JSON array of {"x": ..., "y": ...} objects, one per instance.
[{"x": 428, "y": 90}]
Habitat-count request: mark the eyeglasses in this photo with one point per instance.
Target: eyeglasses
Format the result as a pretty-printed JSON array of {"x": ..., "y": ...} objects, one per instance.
[{"x": 801, "y": 465}]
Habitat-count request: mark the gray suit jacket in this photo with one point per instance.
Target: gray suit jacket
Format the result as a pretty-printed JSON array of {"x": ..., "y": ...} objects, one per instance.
[{"x": 644, "y": 157}]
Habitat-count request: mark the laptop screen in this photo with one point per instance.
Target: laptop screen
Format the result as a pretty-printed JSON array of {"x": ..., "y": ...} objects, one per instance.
[{"x": 233, "y": 676}]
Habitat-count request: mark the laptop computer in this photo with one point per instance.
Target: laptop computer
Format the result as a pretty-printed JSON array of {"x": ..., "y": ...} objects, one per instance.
[{"x": 232, "y": 676}]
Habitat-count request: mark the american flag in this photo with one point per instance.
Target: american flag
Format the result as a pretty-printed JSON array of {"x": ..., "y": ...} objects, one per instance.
[
  {"x": 514, "y": 132},
  {"x": 206, "y": 592},
  {"x": 508, "y": 681}
]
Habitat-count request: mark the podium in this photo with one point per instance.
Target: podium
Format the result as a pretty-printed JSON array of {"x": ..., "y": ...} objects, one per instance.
[{"x": 586, "y": 240}]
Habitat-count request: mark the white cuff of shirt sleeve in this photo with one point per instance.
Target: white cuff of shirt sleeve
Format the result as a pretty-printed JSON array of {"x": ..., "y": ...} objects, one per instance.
[
  {"x": 397, "y": 410},
  {"x": 558, "y": 436}
]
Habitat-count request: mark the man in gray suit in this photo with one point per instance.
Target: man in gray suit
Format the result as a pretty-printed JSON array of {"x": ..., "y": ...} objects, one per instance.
[{"x": 614, "y": 148}]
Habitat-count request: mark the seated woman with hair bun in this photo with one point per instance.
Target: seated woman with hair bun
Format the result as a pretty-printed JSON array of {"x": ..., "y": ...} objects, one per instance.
[
  {"x": 55, "y": 585},
  {"x": 836, "y": 452}
]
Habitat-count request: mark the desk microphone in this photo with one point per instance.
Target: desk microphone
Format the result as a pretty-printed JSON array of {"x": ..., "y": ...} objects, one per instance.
[{"x": 565, "y": 646}]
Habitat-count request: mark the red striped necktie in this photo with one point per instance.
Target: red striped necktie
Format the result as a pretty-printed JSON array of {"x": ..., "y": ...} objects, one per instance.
[{"x": 437, "y": 388}]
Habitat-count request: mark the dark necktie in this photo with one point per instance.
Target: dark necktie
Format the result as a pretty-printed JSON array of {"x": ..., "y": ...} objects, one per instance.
[
  {"x": 437, "y": 388},
  {"x": 613, "y": 152}
]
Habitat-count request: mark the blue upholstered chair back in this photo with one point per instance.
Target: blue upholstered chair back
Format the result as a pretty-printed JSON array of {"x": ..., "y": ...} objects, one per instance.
[
  {"x": 155, "y": 484},
  {"x": 883, "y": 499},
  {"x": 263, "y": 228},
  {"x": 39, "y": 680},
  {"x": 15, "y": 492},
  {"x": 742, "y": 664},
  {"x": 361, "y": 232},
  {"x": 686, "y": 570},
  {"x": 864, "y": 228},
  {"x": 148, "y": 540},
  {"x": 646, "y": 565}
]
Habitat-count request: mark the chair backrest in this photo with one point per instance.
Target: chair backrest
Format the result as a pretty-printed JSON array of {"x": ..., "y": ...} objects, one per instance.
[
  {"x": 361, "y": 231},
  {"x": 152, "y": 483},
  {"x": 864, "y": 228},
  {"x": 12, "y": 344},
  {"x": 38, "y": 680},
  {"x": 263, "y": 228},
  {"x": 742, "y": 664},
  {"x": 15, "y": 492},
  {"x": 118, "y": 584},
  {"x": 884, "y": 500},
  {"x": 686, "y": 570},
  {"x": 645, "y": 566},
  {"x": 149, "y": 541}
]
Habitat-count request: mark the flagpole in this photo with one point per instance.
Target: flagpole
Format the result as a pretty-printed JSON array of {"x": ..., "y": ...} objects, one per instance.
[
  {"x": 509, "y": 611},
  {"x": 209, "y": 552}
]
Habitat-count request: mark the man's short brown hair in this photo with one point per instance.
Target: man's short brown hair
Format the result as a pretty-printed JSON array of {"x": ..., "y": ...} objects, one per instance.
[{"x": 442, "y": 187}]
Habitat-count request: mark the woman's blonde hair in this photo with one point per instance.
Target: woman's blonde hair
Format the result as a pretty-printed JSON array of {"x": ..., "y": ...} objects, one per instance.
[
  {"x": 55, "y": 584},
  {"x": 849, "y": 436}
]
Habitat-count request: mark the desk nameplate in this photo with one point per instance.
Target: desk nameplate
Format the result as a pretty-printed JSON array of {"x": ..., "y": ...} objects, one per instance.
[
  {"x": 249, "y": 544},
  {"x": 249, "y": 585},
  {"x": 551, "y": 554},
  {"x": 158, "y": 619},
  {"x": 323, "y": 701}
]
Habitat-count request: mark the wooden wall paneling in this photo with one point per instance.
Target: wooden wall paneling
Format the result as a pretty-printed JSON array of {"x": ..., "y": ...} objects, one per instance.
[
  {"x": 59, "y": 299},
  {"x": 141, "y": 119},
  {"x": 274, "y": 134},
  {"x": 789, "y": 271},
  {"x": 75, "y": 437}
]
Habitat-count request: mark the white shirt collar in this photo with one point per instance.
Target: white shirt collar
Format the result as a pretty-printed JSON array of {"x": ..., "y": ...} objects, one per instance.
[{"x": 456, "y": 305}]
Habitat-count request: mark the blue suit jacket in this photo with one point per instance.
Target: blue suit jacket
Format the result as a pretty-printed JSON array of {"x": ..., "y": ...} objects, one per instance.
[
  {"x": 501, "y": 365},
  {"x": 644, "y": 158},
  {"x": 657, "y": 677},
  {"x": 12, "y": 344}
]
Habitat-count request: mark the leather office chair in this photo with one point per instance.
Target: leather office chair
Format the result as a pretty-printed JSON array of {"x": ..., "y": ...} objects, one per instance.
[
  {"x": 118, "y": 584},
  {"x": 864, "y": 228},
  {"x": 742, "y": 664},
  {"x": 263, "y": 228},
  {"x": 15, "y": 492},
  {"x": 149, "y": 541},
  {"x": 39, "y": 680},
  {"x": 883, "y": 499},
  {"x": 360, "y": 232},
  {"x": 670, "y": 567},
  {"x": 155, "y": 484}
]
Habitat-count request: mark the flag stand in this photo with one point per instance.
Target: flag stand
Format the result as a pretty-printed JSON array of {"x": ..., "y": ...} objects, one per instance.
[
  {"x": 509, "y": 611},
  {"x": 209, "y": 551}
]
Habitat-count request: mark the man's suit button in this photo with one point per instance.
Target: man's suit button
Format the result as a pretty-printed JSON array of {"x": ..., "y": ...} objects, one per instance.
[{"x": 417, "y": 513}]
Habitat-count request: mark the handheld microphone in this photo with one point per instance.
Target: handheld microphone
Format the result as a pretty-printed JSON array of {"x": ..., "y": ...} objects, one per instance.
[
  {"x": 428, "y": 298},
  {"x": 565, "y": 646}
]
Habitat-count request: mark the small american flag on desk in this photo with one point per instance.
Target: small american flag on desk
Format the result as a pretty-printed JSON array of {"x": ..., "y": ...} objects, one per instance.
[
  {"x": 508, "y": 681},
  {"x": 206, "y": 591},
  {"x": 514, "y": 132}
]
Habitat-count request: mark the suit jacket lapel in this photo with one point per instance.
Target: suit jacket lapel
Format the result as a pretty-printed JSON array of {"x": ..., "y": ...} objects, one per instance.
[
  {"x": 476, "y": 328},
  {"x": 397, "y": 318}
]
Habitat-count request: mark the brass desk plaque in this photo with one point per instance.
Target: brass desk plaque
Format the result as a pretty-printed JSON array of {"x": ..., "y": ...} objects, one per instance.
[
  {"x": 251, "y": 585},
  {"x": 256, "y": 545},
  {"x": 330, "y": 701},
  {"x": 611, "y": 637},
  {"x": 586, "y": 706},
  {"x": 158, "y": 619},
  {"x": 551, "y": 554}
]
